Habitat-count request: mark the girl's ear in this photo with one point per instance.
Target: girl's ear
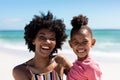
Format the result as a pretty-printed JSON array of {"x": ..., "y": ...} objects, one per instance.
[
  {"x": 93, "y": 42},
  {"x": 70, "y": 43}
]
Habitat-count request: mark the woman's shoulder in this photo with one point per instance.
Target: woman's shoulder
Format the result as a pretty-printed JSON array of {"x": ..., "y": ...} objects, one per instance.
[
  {"x": 21, "y": 72},
  {"x": 20, "y": 67}
]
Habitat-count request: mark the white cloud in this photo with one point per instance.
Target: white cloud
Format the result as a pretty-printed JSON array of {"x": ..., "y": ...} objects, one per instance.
[
  {"x": 11, "y": 20},
  {"x": 12, "y": 23}
]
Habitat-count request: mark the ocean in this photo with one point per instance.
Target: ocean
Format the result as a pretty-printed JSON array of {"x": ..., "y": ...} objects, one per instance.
[{"x": 107, "y": 42}]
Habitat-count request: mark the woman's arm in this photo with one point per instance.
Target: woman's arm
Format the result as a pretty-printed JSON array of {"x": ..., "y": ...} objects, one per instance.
[{"x": 60, "y": 59}]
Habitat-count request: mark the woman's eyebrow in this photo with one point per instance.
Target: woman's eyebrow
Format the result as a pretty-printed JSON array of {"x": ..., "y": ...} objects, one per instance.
[{"x": 41, "y": 33}]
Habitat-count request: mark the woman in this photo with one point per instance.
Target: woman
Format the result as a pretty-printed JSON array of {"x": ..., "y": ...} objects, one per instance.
[{"x": 44, "y": 35}]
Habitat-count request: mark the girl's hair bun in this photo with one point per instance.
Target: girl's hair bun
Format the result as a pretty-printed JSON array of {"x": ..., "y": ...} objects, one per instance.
[{"x": 79, "y": 21}]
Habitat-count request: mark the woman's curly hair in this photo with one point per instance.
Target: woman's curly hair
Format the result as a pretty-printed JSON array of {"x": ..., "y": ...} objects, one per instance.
[{"x": 46, "y": 22}]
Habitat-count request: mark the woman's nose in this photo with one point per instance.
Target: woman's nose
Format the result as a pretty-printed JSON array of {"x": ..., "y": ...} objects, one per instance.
[{"x": 48, "y": 41}]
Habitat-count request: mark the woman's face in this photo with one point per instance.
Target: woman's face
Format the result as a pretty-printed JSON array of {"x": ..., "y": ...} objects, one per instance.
[
  {"x": 44, "y": 42},
  {"x": 81, "y": 42}
]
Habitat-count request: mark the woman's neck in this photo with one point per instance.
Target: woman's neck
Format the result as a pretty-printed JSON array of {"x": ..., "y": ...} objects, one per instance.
[{"x": 41, "y": 62}]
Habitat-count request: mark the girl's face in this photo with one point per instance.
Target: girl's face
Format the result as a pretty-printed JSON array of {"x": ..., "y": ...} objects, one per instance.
[
  {"x": 81, "y": 42},
  {"x": 44, "y": 42}
]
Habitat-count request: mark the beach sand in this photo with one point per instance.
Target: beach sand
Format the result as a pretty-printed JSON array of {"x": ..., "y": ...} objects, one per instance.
[{"x": 110, "y": 69}]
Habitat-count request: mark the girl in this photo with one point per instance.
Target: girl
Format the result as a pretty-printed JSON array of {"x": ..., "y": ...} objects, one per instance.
[{"x": 81, "y": 41}]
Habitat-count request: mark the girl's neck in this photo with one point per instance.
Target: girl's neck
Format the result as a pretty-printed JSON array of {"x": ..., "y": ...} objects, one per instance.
[{"x": 83, "y": 58}]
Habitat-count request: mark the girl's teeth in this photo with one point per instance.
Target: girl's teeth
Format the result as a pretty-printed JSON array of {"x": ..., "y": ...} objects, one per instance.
[{"x": 80, "y": 51}]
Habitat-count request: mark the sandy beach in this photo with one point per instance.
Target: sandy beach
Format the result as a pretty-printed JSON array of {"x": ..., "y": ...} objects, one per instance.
[
  {"x": 9, "y": 58},
  {"x": 109, "y": 67}
]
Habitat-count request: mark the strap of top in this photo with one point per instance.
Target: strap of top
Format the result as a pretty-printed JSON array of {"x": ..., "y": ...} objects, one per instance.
[{"x": 51, "y": 75}]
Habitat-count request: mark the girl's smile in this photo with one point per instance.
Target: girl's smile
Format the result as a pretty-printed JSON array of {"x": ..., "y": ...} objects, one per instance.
[{"x": 81, "y": 43}]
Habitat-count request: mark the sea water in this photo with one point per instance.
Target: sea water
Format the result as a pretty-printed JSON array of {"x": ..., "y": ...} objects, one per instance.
[{"x": 107, "y": 42}]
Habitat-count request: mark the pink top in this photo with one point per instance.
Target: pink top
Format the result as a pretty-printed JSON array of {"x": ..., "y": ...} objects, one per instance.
[{"x": 85, "y": 70}]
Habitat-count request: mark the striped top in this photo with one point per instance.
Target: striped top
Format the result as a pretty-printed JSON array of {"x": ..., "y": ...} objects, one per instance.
[{"x": 52, "y": 75}]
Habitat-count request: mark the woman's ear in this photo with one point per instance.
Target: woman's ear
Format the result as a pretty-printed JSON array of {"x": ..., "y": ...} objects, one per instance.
[{"x": 93, "y": 42}]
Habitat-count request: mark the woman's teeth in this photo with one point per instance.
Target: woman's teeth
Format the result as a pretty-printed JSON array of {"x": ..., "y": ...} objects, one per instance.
[{"x": 45, "y": 47}]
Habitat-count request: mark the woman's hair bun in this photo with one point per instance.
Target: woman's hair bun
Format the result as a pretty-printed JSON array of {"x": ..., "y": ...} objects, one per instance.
[{"x": 78, "y": 21}]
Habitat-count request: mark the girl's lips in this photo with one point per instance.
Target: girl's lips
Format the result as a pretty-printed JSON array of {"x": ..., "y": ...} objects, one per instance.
[{"x": 80, "y": 51}]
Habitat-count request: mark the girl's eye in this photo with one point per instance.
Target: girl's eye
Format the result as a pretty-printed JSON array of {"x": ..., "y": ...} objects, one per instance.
[
  {"x": 85, "y": 42},
  {"x": 75, "y": 43}
]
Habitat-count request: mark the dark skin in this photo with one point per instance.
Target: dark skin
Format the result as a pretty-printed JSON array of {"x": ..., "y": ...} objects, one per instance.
[
  {"x": 44, "y": 42},
  {"x": 81, "y": 43}
]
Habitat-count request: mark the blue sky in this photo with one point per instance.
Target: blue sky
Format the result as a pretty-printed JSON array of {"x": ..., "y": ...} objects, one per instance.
[{"x": 102, "y": 14}]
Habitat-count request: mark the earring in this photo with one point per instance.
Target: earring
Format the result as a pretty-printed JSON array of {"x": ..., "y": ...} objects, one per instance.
[{"x": 33, "y": 43}]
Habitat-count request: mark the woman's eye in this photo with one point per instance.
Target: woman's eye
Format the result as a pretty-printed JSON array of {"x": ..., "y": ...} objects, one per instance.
[
  {"x": 42, "y": 38},
  {"x": 52, "y": 39}
]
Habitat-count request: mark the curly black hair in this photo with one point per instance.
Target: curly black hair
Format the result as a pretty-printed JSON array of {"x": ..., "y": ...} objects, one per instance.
[
  {"x": 46, "y": 22},
  {"x": 79, "y": 22}
]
